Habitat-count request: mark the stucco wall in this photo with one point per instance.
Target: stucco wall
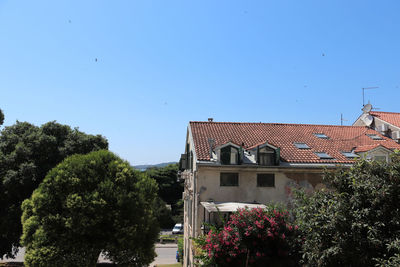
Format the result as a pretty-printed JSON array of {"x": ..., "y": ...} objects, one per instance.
[{"x": 208, "y": 186}]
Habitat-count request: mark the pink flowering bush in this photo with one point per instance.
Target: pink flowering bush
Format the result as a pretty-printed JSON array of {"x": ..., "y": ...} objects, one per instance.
[{"x": 257, "y": 237}]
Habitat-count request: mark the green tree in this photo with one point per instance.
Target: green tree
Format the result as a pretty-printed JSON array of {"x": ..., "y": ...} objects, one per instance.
[
  {"x": 356, "y": 221},
  {"x": 27, "y": 153},
  {"x": 1, "y": 117},
  {"x": 90, "y": 204},
  {"x": 170, "y": 192}
]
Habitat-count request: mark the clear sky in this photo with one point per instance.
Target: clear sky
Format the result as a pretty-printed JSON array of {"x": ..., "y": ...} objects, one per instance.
[{"x": 161, "y": 64}]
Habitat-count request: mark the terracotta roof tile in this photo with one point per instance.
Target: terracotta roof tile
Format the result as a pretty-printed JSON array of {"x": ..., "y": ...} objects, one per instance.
[
  {"x": 341, "y": 139},
  {"x": 390, "y": 117}
]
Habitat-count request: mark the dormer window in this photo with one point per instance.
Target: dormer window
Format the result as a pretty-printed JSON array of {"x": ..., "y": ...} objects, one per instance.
[
  {"x": 321, "y": 135},
  {"x": 229, "y": 155},
  {"x": 374, "y": 137},
  {"x": 266, "y": 156}
]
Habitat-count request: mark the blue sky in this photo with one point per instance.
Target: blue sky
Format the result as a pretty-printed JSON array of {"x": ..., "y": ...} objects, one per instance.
[{"x": 163, "y": 63}]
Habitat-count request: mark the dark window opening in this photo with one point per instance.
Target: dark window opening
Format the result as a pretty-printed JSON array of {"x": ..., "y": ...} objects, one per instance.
[
  {"x": 265, "y": 180},
  {"x": 229, "y": 179},
  {"x": 229, "y": 155},
  {"x": 266, "y": 156}
]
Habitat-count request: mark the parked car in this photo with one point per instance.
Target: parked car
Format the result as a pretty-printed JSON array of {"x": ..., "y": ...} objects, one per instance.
[{"x": 178, "y": 229}]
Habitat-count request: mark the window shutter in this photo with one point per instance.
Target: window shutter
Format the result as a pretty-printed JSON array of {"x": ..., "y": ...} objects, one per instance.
[
  {"x": 182, "y": 162},
  {"x": 277, "y": 156}
]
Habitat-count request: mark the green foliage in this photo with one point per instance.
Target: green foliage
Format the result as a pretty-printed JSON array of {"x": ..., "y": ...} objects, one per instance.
[
  {"x": 253, "y": 237},
  {"x": 164, "y": 215},
  {"x": 170, "y": 191},
  {"x": 180, "y": 249},
  {"x": 27, "y": 153},
  {"x": 356, "y": 221},
  {"x": 1, "y": 117},
  {"x": 90, "y": 204}
]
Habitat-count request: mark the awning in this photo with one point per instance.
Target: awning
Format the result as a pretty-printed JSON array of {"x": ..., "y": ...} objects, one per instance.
[{"x": 229, "y": 206}]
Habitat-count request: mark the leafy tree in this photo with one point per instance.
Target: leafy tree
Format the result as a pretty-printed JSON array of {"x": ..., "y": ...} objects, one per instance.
[
  {"x": 170, "y": 191},
  {"x": 1, "y": 117},
  {"x": 27, "y": 153},
  {"x": 253, "y": 237},
  {"x": 164, "y": 215},
  {"x": 90, "y": 204},
  {"x": 356, "y": 221}
]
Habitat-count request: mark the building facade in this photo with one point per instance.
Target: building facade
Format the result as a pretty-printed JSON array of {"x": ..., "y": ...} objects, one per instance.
[{"x": 231, "y": 165}]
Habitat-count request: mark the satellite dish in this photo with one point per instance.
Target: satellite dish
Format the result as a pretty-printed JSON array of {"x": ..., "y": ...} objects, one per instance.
[
  {"x": 367, "y": 108},
  {"x": 367, "y": 119}
]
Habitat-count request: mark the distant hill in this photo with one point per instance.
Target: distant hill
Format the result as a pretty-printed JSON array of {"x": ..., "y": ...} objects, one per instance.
[{"x": 159, "y": 165}]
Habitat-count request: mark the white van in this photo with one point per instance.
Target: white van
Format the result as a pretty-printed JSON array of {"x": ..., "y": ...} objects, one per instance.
[{"x": 178, "y": 229}]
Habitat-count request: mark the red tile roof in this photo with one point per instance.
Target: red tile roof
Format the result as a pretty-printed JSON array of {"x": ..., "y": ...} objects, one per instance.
[
  {"x": 341, "y": 139},
  {"x": 390, "y": 117},
  {"x": 365, "y": 148}
]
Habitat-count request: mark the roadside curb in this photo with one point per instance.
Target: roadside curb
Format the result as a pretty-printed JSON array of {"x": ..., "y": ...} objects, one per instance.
[{"x": 166, "y": 246}]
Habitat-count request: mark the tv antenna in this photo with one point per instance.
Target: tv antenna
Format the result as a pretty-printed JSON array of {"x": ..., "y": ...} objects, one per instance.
[
  {"x": 341, "y": 119},
  {"x": 367, "y": 88}
]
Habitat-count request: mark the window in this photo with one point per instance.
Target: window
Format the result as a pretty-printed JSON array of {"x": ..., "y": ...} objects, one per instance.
[
  {"x": 374, "y": 137},
  {"x": 189, "y": 211},
  {"x": 301, "y": 145},
  {"x": 323, "y": 155},
  {"x": 265, "y": 180},
  {"x": 380, "y": 158},
  {"x": 321, "y": 135},
  {"x": 350, "y": 155},
  {"x": 229, "y": 155},
  {"x": 229, "y": 179},
  {"x": 266, "y": 156}
]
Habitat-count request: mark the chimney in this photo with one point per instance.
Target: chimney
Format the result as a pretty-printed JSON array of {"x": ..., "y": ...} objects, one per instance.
[{"x": 210, "y": 119}]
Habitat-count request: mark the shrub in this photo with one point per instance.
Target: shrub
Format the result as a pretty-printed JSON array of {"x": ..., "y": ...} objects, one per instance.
[{"x": 253, "y": 237}]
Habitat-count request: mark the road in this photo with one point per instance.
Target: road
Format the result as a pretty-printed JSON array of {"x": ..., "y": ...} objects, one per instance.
[{"x": 166, "y": 254}]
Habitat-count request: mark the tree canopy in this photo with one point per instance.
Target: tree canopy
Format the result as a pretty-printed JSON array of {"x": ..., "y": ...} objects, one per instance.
[
  {"x": 27, "y": 153},
  {"x": 90, "y": 204},
  {"x": 170, "y": 192},
  {"x": 356, "y": 221},
  {"x": 1, "y": 117}
]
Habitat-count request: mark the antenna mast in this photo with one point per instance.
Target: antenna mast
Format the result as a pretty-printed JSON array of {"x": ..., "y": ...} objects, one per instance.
[
  {"x": 367, "y": 88},
  {"x": 341, "y": 119}
]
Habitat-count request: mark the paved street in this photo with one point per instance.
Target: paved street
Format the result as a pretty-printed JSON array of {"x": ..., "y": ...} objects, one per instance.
[{"x": 166, "y": 254}]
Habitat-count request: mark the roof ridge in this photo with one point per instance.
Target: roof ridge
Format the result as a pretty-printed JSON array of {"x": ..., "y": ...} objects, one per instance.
[
  {"x": 385, "y": 112},
  {"x": 276, "y": 123}
]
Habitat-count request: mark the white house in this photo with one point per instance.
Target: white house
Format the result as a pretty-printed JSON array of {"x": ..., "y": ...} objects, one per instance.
[{"x": 228, "y": 165}]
